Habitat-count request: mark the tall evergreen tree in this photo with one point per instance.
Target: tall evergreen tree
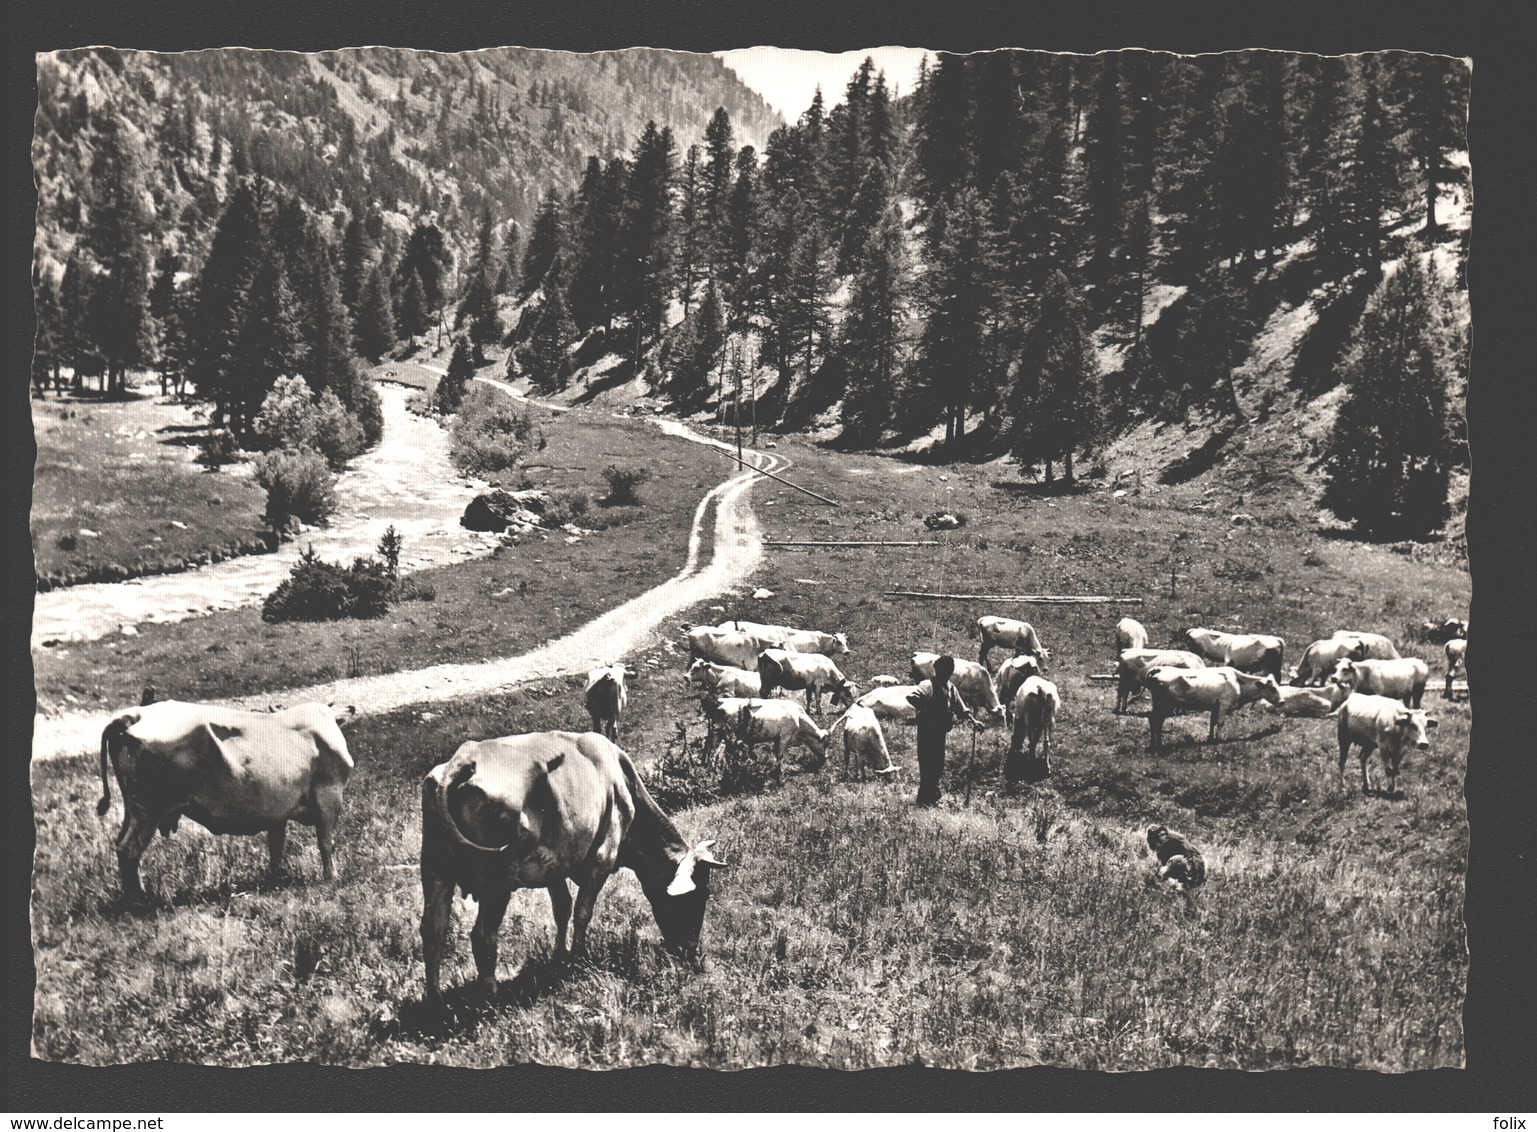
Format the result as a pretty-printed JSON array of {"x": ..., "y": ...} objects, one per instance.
[
  {"x": 375, "y": 325},
  {"x": 118, "y": 313},
  {"x": 448, "y": 394},
  {"x": 162, "y": 308},
  {"x": 942, "y": 159},
  {"x": 237, "y": 252},
  {"x": 1388, "y": 461},
  {"x": 645, "y": 276},
  {"x": 720, "y": 155},
  {"x": 690, "y": 229},
  {"x": 544, "y": 243},
  {"x": 872, "y": 344},
  {"x": 742, "y": 238},
  {"x": 1104, "y": 160},
  {"x": 357, "y": 252},
  {"x": 953, "y": 349},
  {"x": 74, "y": 298},
  {"x": 1435, "y": 119},
  {"x": 1056, "y": 403}
]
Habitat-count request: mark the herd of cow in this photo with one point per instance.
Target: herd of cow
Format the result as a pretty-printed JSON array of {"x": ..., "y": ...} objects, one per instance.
[{"x": 540, "y": 809}]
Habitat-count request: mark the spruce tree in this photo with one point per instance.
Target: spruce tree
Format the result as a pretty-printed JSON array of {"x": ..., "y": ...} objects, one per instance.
[
  {"x": 645, "y": 271},
  {"x": 412, "y": 315},
  {"x": 953, "y": 350},
  {"x": 716, "y": 190},
  {"x": 375, "y": 325},
  {"x": 1435, "y": 118},
  {"x": 742, "y": 238},
  {"x": 1056, "y": 402},
  {"x": 449, "y": 392},
  {"x": 1388, "y": 462},
  {"x": 872, "y": 337},
  {"x": 544, "y": 243},
  {"x": 117, "y": 317},
  {"x": 162, "y": 308},
  {"x": 239, "y": 249},
  {"x": 690, "y": 228},
  {"x": 74, "y": 297}
]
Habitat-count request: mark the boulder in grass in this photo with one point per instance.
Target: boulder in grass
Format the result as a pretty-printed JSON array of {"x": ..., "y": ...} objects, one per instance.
[{"x": 497, "y": 510}]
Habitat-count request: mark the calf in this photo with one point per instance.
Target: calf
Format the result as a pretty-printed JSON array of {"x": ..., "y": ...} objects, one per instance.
[
  {"x": 1403, "y": 679},
  {"x": 606, "y": 697},
  {"x": 1220, "y": 691},
  {"x": 863, "y": 742},
  {"x": 724, "y": 680},
  {"x": 1378, "y": 647},
  {"x": 1133, "y": 665},
  {"x": 1456, "y": 657},
  {"x": 785, "y": 722},
  {"x": 1129, "y": 634},
  {"x": 1320, "y": 658},
  {"x": 1035, "y": 711},
  {"x": 971, "y": 680},
  {"x": 1017, "y": 635},
  {"x": 1251, "y": 652},
  {"x": 1010, "y": 675},
  {"x": 811, "y": 673},
  {"x": 890, "y": 702},
  {"x": 1383, "y": 724}
]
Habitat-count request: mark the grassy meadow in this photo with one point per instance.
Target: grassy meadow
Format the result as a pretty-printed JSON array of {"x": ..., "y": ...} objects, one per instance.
[
  {"x": 121, "y": 469},
  {"x": 853, "y": 930}
]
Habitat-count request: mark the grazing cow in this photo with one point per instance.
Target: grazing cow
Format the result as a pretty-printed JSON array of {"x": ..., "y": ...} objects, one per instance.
[
  {"x": 1129, "y": 634},
  {"x": 1383, "y": 724},
  {"x": 1010, "y": 675},
  {"x": 1252, "y": 652},
  {"x": 890, "y": 702},
  {"x": 1220, "y": 691},
  {"x": 1035, "y": 711},
  {"x": 792, "y": 640},
  {"x": 1320, "y": 658},
  {"x": 531, "y": 811},
  {"x": 1180, "y": 863},
  {"x": 1402, "y": 679},
  {"x": 1312, "y": 703},
  {"x": 863, "y": 742},
  {"x": 606, "y": 697},
  {"x": 724, "y": 646},
  {"x": 1010, "y": 634},
  {"x": 883, "y": 681},
  {"x": 1378, "y": 647},
  {"x": 1456, "y": 657},
  {"x": 1133, "y": 665},
  {"x": 724, "y": 680},
  {"x": 811, "y": 673},
  {"x": 1439, "y": 632},
  {"x": 785, "y": 722},
  {"x": 230, "y": 771},
  {"x": 971, "y": 680}
]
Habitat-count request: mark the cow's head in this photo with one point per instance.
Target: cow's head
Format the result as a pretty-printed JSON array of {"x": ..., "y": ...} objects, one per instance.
[
  {"x": 1258, "y": 688},
  {"x": 842, "y": 641},
  {"x": 1415, "y": 726},
  {"x": 678, "y": 902},
  {"x": 817, "y": 740},
  {"x": 1345, "y": 673},
  {"x": 846, "y": 693}
]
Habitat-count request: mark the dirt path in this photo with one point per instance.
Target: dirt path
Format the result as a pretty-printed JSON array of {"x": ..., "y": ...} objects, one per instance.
[
  {"x": 736, "y": 549},
  {"x": 407, "y": 480}
]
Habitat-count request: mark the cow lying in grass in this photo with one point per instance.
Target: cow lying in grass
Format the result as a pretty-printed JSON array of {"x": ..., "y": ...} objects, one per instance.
[
  {"x": 1220, "y": 691},
  {"x": 1311, "y": 703}
]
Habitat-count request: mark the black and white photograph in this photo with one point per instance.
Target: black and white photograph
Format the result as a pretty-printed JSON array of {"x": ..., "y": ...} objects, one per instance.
[{"x": 766, "y": 557}]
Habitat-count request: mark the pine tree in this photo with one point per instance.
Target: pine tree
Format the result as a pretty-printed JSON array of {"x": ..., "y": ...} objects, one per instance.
[
  {"x": 716, "y": 190},
  {"x": 1388, "y": 461},
  {"x": 872, "y": 344},
  {"x": 162, "y": 308},
  {"x": 1435, "y": 117},
  {"x": 74, "y": 297},
  {"x": 544, "y": 243},
  {"x": 1056, "y": 401},
  {"x": 645, "y": 273},
  {"x": 546, "y": 358},
  {"x": 881, "y": 133},
  {"x": 953, "y": 350},
  {"x": 866, "y": 211},
  {"x": 268, "y": 345},
  {"x": 942, "y": 159},
  {"x": 743, "y": 222},
  {"x": 356, "y": 254},
  {"x": 449, "y": 393},
  {"x": 690, "y": 228},
  {"x": 238, "y": 251},
  {"x": 47, "y": 344},
  {"x": 699, "y": 348},
  {"x": 1104, "y": 176},
  {"x": 375, "y": 325},
  {"x": 117, "y": 317},
  {"x": 412, "y": 315}
]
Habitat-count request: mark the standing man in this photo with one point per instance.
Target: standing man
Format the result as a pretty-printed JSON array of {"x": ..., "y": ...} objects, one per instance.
[{"x": 938, "y": 705}]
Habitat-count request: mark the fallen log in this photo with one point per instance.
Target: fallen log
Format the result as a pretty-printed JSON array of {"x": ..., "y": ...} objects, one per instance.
[
  {"x": 852, "y": 542},
  {"x": 1038, "y": 599}
]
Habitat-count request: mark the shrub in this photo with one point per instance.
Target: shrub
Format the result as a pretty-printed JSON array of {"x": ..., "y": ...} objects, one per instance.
[
  {"x": 291, "y": 417},
  {"x": 622, "y": 483},
  {"x": 316, "y": 590},
  {"x": 566, "y": 506},
  {"x": 490, "y": 433},
  {"x": 412, "y": 590},
  {"x": 216, "y": 449},
  {"x": 299, "y": 484}
]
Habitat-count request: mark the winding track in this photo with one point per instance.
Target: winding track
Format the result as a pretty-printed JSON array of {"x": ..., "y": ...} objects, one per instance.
[{"x": 736, "y": 550}]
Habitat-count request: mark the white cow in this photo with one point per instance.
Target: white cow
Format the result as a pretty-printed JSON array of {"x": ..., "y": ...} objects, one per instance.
[
  {"x": 1133, "y": 665},
  {"x": 1378, "y": 647},
  {"x": 1129, "y": 634},
  {"x": 1220, "y": 691},
  {"x": 241, "y": 772},
  {"x": 1320, "y": 658},
  {"x": 1011, "y": 634},
  {"x": 605, "y": 697},
  {"x": 724, "y": 646},
  {"x": 1252, "y": 652},
  {"x": 811, "y": 673},
  {"x": 1010, "y": 675},
  {"x": 724, "y": 680},
  {"x": 883, "y": 681},
  {"x": 864, "y": 742},
  {"x": 1311, "y": 703},
  {"x": 890, "y": 702},
  {"x": 971, "y": 680},
  {"x": 784, "y": 722},
  {"x": 1383, "y": 724},
  {"x": 1403, "y": 679},
  {"x": 1456, "y": 657},
  {"x": 793, "y": 640},
  {"x": 1035, "y": 710}
]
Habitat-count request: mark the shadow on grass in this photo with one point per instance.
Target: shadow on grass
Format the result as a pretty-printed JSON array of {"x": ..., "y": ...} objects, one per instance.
[
  {"x": 1056, "y": 489},
  {"x": 467, "y": 1005}
]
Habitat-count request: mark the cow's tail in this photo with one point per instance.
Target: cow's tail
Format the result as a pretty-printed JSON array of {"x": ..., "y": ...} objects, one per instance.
[
  {"x": 110, "y": 734},
  {"x": 435, "y": 795}
]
